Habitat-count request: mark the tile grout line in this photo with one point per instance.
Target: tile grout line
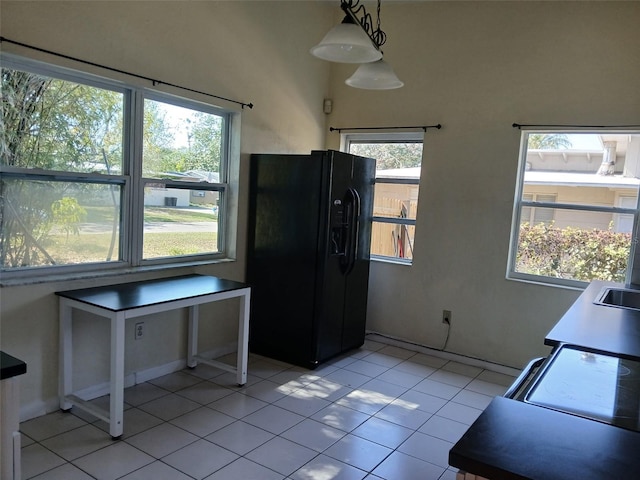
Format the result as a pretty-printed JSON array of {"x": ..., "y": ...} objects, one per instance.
[{"x": 358, "y": 356}]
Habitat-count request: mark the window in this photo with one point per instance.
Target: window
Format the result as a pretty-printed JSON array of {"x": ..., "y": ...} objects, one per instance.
[
  {"x": 99, "y": 174},
  {"x": 398, "y": 162},
  {"x": 575, "y": 208}
]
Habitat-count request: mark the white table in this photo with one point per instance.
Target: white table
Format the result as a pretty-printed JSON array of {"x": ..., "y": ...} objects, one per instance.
[{"x": 119, "y": 302}]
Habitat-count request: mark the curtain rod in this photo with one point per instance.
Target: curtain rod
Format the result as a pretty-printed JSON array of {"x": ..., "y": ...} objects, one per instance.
[
  {"x": 152, "y": 80},
  {"x": 423, "y": 127},
  {"x": 521, "y": 126}
]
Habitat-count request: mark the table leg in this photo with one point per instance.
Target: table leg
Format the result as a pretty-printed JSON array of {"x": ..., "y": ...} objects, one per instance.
[
  {"x": 116, "y": 404},
  {"x": 192, "y": 343},
  {"x": 243, "y": 338},
  {"x": 65, "y": 358},
  {"x": 9, "y": 429}
]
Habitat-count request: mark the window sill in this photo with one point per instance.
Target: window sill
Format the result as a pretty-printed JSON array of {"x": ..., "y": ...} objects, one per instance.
[
  {"x": 63, "y": 277},
  {"x": 394, "y": 261},
  {"x": 543, "y": 283}
]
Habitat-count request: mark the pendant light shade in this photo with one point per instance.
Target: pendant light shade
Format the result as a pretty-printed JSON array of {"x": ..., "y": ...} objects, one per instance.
[
  {"x": 347, "y": 43},
  {"x": 374, "y": 76},
  {"x": 358, "y": 40}
]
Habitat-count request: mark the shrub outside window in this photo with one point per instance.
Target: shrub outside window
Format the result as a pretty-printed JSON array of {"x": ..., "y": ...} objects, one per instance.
[
  {"x": 398, "y": 164},
  {"x": 575, "y": 207},
  {"x": 89, "y": 180}
]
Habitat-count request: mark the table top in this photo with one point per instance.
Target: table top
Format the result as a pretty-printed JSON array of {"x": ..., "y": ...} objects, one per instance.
[
  {"x": 127, "y": 296},
  {"x": 515, "y": 440},
  {"x": 11, "y": 366}
]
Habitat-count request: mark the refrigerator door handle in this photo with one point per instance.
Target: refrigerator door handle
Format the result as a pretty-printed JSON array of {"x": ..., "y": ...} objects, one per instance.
[{"x": 352, "y": 214}]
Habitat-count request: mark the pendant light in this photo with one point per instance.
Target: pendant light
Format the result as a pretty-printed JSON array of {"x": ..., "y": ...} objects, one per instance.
[
  {"x": 374, "y": 76},
  {"x": 356, "y": 41},
  {"x": 347, "y": 43}
]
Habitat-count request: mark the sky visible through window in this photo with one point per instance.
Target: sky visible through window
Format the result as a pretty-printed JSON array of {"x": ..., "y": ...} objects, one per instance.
[
  {"x": 178, "y": 119},
  {"x": 584, "y": 141}
]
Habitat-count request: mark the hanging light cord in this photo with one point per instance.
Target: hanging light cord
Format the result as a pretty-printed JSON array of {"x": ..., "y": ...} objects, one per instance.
[
  {"x": 378, "y": 29},
  {"x": 153, "y": 81},
  {"x": 353, "y": 8}
]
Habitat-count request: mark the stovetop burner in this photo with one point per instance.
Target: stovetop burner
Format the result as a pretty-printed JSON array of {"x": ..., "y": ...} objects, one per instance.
[{"x": 598, "y": 386}]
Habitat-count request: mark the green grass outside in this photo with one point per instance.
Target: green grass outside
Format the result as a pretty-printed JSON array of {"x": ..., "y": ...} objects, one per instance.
[
  {"x": 94, "y": 247},
  {"x": 153, "y": 214}
]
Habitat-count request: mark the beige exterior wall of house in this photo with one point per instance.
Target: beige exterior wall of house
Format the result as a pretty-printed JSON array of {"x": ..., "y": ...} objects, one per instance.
[
  {"x": 574, "y": 176},
  {"x": 581, "y": 195}
]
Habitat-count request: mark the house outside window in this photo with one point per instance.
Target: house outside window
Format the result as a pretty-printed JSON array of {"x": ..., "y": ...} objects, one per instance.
[
  {"x": 533, "y": 215},
  {"x": 98, "y": 174},
  {"x": 575, "y": 208},
  {"x": 398, "y": 164}
]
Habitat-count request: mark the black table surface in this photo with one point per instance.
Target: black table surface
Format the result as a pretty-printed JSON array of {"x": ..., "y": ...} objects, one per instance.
[
  {"x": 607, "y": 329},
  {"x": 11, "y": 366},
  {"x": 127, "y": 296},
  {"x": 515, "y": 440}
]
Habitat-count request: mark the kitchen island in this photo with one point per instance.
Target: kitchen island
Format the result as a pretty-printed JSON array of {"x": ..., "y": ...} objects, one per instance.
[{"x": 514, "y": 440}]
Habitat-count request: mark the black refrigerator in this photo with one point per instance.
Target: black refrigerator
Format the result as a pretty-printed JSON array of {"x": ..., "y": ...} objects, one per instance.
[{"x": 308, "y": 254}]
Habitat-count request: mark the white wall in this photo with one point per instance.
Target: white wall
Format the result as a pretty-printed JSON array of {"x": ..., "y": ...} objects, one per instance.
[{"x": 476, "y": 67}]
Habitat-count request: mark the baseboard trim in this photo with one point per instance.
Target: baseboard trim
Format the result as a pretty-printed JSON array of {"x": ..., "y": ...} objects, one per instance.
[
  {"x": 42, "y": 407},
  {"x": 476, "y": 362}
]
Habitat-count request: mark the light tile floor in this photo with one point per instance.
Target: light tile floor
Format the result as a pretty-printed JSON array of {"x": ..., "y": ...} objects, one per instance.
[{"x": 380, "y": 412}]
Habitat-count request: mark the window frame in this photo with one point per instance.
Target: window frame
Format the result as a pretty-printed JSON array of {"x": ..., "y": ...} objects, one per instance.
[
  {"x": 347, "y": 139},
  {"x": 511, "y": 273},
  {"x": 222, "y": 186},
  {"x": 130, "y": 180}
]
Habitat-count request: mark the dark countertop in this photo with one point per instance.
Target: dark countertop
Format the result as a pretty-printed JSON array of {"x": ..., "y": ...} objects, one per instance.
[
  {"x": 11, "y": 366},
  {"x": 515, "y": 440},
  {"x": 608, "y": 329}
]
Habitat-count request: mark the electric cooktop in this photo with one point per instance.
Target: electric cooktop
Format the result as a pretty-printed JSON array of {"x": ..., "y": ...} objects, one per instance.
[{"x": 598, "y": 386}]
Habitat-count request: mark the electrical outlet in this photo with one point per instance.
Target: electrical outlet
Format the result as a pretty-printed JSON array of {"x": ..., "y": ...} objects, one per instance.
[
  {"x": 446, "y": 317},
  {"x": 139, "y": 331}
]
